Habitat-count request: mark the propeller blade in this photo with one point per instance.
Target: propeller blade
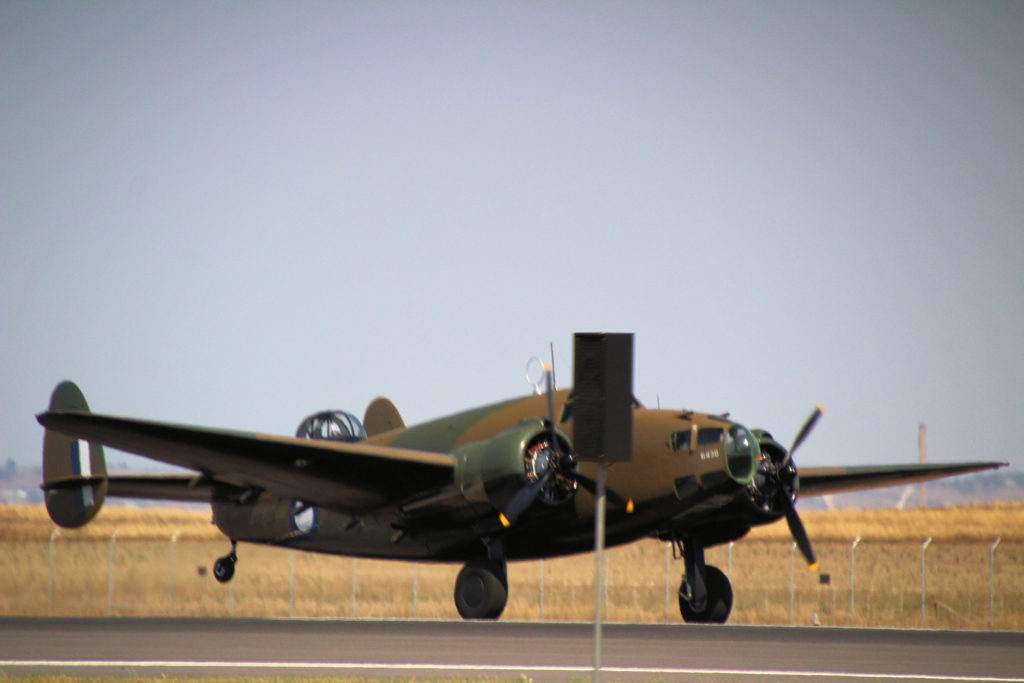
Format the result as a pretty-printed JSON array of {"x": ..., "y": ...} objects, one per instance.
[
  {"x": 591, "y": 486},
  {"x": 796, "y": 528},
  {"x": 802, "y": 434},
  {"x": 549, "y": 375},
  {"x": 523, "y": 498}
]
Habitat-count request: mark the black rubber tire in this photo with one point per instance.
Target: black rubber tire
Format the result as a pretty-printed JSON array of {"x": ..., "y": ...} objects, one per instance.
[
  {"x": 719, "y": 604},
  {"x": 481, "y": 590},
  {"x": 224, "y": 569}
]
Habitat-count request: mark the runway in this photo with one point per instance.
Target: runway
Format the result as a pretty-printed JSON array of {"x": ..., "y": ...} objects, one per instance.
[{"x": 206, "y": 648}]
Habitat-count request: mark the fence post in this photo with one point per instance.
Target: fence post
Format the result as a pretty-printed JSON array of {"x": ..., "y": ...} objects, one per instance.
[
  {"x": 355, "y": 589},
  {"x": 792, "y": 581},
  {"x": 170, "y": 572},
  {"x": 110, "y": 575},
  {"x": 291, "y": 584},
  {"x": 992, "y": 584},
  {"x": 924, "y": 613},
  {"x": 540, "y": 588},
  {"x": 415, "y": 590},
  {"x": 668, "y": 584},
  {"x": 52, "y": 583},
  {"x": 853, "y": 547}
]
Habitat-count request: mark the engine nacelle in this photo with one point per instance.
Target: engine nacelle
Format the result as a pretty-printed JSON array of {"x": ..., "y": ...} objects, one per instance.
[
  {"x": 770, "y": 481},
  {"x": 332, "y": 425},
  {"x": 493, "y": 471}
]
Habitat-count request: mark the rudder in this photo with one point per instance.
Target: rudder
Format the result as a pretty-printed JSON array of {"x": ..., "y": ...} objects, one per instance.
[
  {"x": 381, "y": 416},
  {"x": 74, "y": 470}
]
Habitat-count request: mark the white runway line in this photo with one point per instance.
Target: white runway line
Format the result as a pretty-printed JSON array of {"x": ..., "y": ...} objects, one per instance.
[{"x": 156, "y": 664}]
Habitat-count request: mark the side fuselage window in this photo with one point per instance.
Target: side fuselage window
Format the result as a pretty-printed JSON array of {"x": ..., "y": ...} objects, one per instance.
[
  {"x": 681, "y": 440},
  {"x": 709, "y": 436}
]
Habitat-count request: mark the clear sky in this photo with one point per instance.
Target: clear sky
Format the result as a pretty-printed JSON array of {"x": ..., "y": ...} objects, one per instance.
[{"x": 236, "y": 214}]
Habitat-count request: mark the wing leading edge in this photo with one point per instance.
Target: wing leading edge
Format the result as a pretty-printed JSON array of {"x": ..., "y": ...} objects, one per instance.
[
  {"x": 819, "y": 481},
  {"x": 352, "y": 477}
]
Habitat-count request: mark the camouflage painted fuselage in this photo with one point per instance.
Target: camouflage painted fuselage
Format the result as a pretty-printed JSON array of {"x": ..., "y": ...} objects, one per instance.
[{"x": 689, "y": 472}]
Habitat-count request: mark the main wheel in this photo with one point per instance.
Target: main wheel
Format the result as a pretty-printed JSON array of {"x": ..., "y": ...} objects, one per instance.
[
  {"x": 481, "y": 590},
  {"x": 719, "y": 603},
  {"x": 224, "y": 569}
]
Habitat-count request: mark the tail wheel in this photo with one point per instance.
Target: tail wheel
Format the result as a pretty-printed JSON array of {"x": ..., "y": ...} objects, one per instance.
[
  {"x": 719, "y": 602},
  {"x": 481, "y": 590},
  {"x": 224, "y": 569}
]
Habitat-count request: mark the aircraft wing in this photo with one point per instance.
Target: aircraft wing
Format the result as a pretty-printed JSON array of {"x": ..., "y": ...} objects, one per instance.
[
  {"x": 351, "y": 477},
  {"x": 819, "y": 481}
]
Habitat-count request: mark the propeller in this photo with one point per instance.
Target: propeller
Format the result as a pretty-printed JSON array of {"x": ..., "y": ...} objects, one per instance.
[{"x": 783, "y": 489}]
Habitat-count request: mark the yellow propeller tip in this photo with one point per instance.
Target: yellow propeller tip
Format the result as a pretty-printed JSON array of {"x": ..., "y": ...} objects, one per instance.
[
  {"x": 629, "y": 506},
  {"x": 548, "y": 367},
  {"x": 504, "y": 520},
  {"x": 813, "y": 567},
  {"x": 821, "y": 409}
]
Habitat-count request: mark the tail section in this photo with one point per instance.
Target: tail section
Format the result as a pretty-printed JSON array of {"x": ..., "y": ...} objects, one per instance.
[
  {"x": 381, "y": 416},
  {"x": 74, "y": 471}
]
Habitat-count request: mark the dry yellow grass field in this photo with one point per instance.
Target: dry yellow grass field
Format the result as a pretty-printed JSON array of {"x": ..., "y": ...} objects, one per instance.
[{"x": 143, "y": 572}]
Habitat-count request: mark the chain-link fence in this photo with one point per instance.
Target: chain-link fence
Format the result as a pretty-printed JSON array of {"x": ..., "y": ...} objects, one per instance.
[{"x": 942, "y": 584}]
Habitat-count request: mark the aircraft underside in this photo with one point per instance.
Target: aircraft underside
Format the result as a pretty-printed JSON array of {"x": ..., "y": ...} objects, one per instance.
[{"x": 481, "y": 589}]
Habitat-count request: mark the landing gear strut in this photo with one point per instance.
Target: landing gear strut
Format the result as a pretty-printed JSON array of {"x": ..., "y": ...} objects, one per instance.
[
  {"x": 224, "y": 567},
  {"x": 705, "y": 595},
  {"x": 481, "y": 589}
]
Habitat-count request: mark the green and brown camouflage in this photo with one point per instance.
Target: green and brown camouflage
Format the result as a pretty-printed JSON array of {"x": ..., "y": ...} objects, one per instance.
[{"x": 494, "y": 483}]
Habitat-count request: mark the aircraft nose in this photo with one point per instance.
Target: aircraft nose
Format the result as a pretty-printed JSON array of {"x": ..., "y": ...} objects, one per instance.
[{"x": 742, "y": 454}]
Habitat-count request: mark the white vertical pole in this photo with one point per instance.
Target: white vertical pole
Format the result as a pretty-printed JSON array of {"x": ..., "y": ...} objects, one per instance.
[
  {"x": 992, "y": 584},
  {"x": 924, "y": 547},
  {"x": 605, "y": 582},
  {"x": 53, "y": 583},
  {"x": 110, "y": 575},
  {"x": 853, "y": 547},
  {"x": 599, "y": 528}
]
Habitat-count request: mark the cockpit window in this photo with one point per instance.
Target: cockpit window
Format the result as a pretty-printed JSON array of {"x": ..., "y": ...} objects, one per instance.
[
  {"x": 681, "y": 440},
  {"x": 709, "y": 435}
]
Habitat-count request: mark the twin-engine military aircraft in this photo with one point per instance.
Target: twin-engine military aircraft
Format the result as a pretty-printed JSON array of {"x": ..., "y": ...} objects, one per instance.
[{"x": 495, "y": 483}]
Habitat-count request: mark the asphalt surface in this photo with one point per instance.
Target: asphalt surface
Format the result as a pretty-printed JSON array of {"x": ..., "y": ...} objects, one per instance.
[{"x": 543, "y": 652}]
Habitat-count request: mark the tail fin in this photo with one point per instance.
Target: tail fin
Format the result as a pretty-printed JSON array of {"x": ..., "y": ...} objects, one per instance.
[
  {"x": 74, "y": 471},
  {"x": 381, "y": 416}
]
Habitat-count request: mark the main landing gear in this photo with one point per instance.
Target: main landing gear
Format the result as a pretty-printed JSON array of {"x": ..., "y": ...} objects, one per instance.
[
  {"x": 224, "y": 567},
  {"x": 481, "y": 589},
  {"x": 705, "y": 595}
]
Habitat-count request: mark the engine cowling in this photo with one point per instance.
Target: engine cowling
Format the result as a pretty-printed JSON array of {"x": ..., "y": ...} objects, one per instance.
[{"x": 493, "y": 471}]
